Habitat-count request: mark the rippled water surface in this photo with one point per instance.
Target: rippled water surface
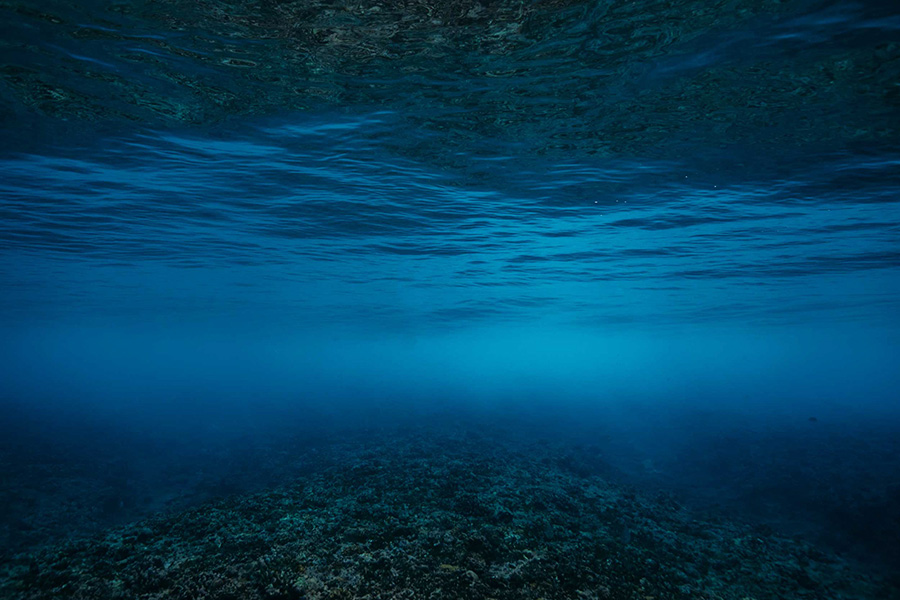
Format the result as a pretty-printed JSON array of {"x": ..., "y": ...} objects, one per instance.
[
  {"x": 443, "y": 164},
  {"x": 464, "y": 268}
]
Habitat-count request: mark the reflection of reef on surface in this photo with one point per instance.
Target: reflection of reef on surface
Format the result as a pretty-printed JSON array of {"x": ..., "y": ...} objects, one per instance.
[
  {"x": 645, "y": 77},
  {"x": 446, "y": 513}
]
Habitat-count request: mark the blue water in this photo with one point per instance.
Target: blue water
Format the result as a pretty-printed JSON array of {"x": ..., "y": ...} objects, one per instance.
[{"x": 674, "y": 222}]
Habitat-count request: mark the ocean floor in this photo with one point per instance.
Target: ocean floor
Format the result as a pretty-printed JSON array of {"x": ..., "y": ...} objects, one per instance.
[{"x": 436, "y": 512}]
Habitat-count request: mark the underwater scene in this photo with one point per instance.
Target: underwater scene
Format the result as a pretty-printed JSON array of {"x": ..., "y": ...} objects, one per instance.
[{"x": 450, "y": 299}]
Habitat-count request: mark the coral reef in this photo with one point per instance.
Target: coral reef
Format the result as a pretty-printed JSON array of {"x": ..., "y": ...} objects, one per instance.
[{"x": 430, "y": 513}]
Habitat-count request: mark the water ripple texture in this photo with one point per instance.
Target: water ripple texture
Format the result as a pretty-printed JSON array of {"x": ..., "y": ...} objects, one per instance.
[{"x": 441, "y": 164}]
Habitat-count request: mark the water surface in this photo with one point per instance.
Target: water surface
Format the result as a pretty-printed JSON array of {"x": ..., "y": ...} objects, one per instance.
[{"x": 671, "y": 226}]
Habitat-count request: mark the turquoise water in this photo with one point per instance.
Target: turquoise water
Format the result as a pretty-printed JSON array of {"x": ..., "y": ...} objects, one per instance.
[
  {"x": 424, "y": 168},
  {"x": 662, "y": 219},
  {"x": 513, "y": 185}
]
